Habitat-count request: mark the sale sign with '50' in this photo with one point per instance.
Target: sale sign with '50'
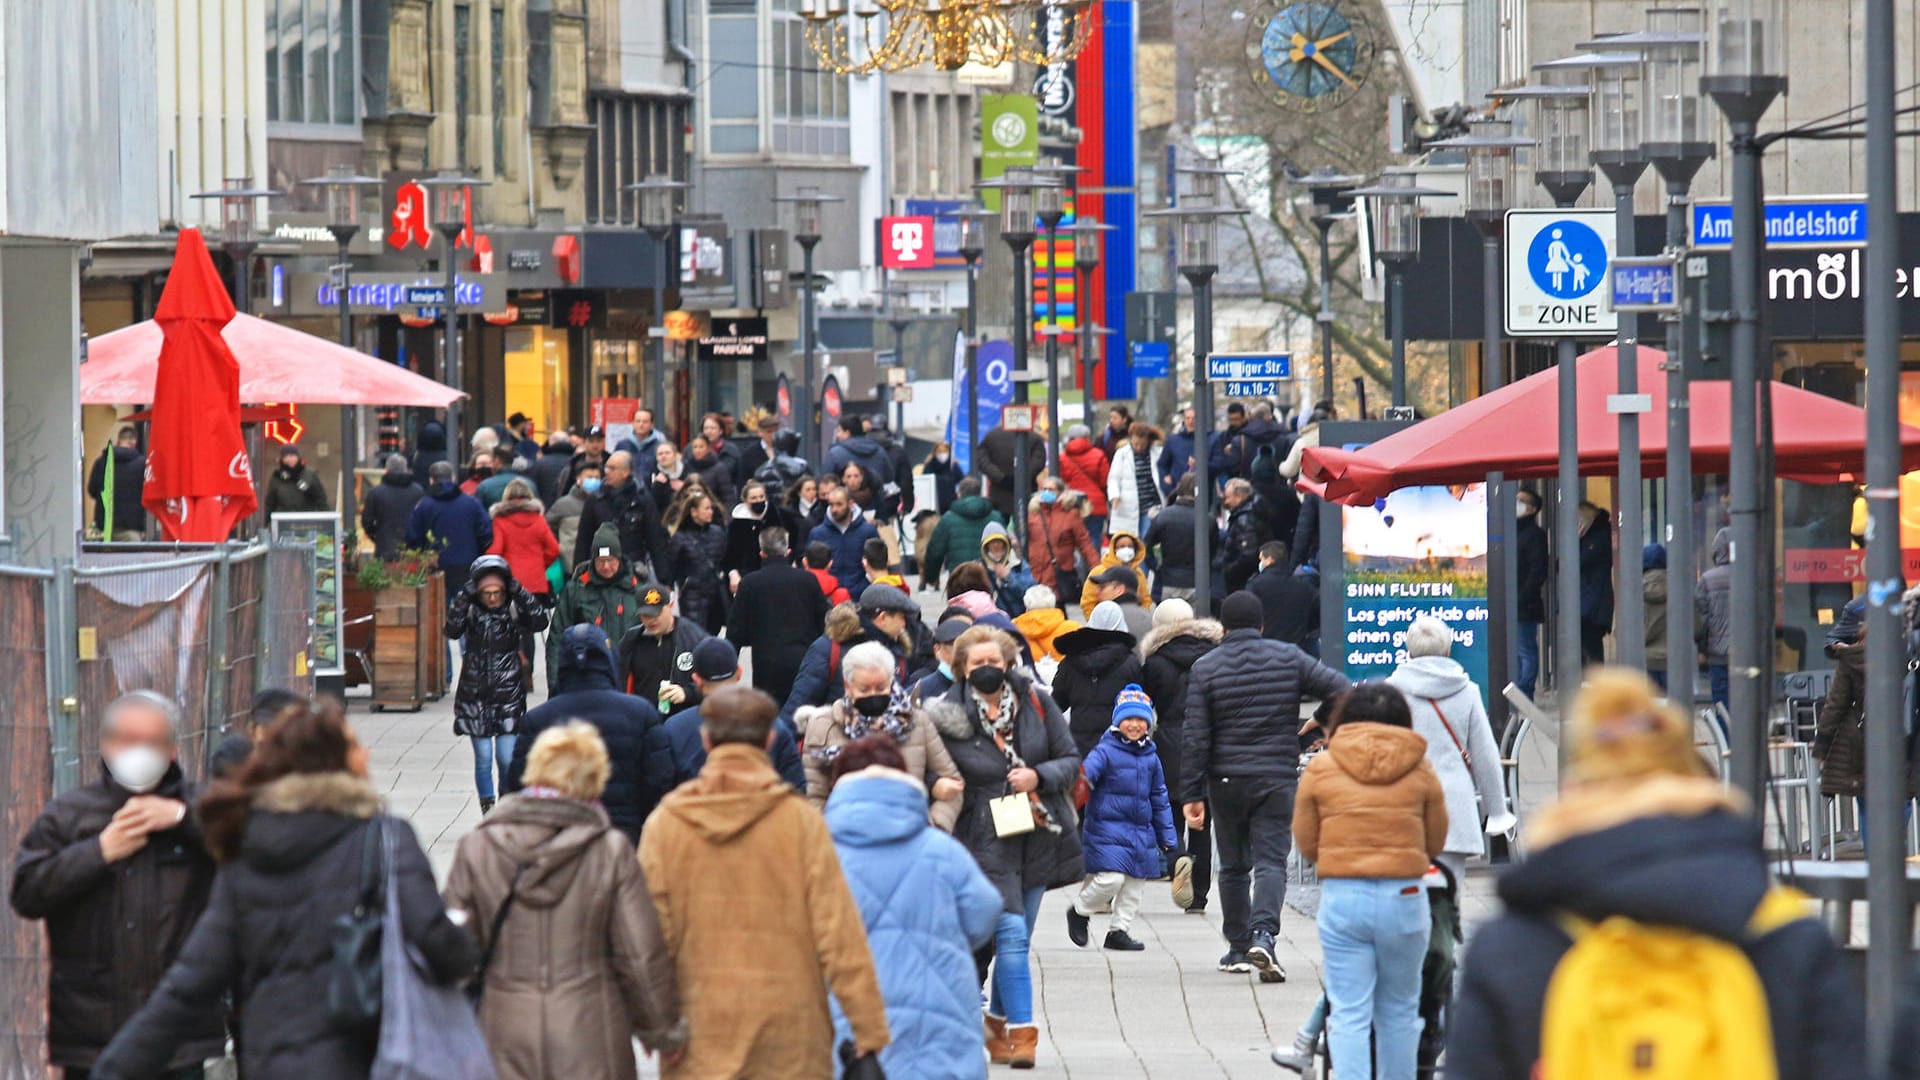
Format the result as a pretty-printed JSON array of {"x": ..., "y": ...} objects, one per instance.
[{"x": 906, "y": 243}]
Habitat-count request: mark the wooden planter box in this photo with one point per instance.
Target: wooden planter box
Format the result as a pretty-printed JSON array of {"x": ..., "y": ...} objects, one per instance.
[
  {"x": 356, "y": 607},
  {"x": 409, "y": 650}
]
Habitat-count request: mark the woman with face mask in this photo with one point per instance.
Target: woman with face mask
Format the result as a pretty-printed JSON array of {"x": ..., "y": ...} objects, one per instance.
[
  {"x": 1017, "y": 817},
  {"x": 753, "y": 513},
  {"x": 876, "y": 704},
  {"x": 946, "y": 474}
]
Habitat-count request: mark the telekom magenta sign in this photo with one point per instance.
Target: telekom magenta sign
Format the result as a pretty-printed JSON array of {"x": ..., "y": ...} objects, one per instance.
[{"x": 906, "y": 243}]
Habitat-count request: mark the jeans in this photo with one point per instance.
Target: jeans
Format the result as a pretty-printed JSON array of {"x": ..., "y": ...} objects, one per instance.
[
  {"x": 1111, "y": 887},
  {"x": 489, "y": 750},
  {"x": 1373, "y": 937},
  {"x": 1012, "y": 996},
  {"x": 1096, "y": 529},
  {"x": 1717, "y": 679},
  {"x": 1253, "y": 824},
  {"x": 1528, "y": 645}
]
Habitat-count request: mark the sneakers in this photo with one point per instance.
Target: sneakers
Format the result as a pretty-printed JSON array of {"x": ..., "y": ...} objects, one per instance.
[
  {"x": 1260, "y": 955},
  {"x": 1183, "y": 882},
  {"x": 1298, "y": 1057},
  {"x": 1235, "y": 963},
  {"x": 1121, "y": 941},
  {"x": 1197, "y": 909},
  {"x": 1076, "y": 926}
]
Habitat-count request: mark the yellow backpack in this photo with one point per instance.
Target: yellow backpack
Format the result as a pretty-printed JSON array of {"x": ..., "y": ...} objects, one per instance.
[{"x": 1635, "y": 1002}]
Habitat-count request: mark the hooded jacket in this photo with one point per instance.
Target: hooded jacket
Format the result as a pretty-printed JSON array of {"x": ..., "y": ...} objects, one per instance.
[
  {"x": 1167, "y": 654},
  {"x": 584, "y": 689},
  {"x": 113, "y": 928},
  {"x": 926, "y": 756},
  {"x": 429, "y": 450},
  {"x": 549, "y": 471},
  {"x": 926, "y": 907},
  {"x": 848, "y": 543},
  {"x": 265, "y": 936},
  {"x": 453, "y": 523},
  {"x": 608, "y": 603},
  {"x": 1129, "y": 816},
  {"x": 1011, "y": 579},
  {"x": 1083, "y": 467},
  {"x": 1171, "y": 534},
  {"x": 1124, "y": 504},
  {"x": 1056, "y": 536},
  {"x": 292, "y": 491},
  {"x": 580, "y": 965},
  {"x": 1370, "y": 807},
  {"x": 563, "y": 517},
  {"x": 760, "y": 924},
  {"x": 521, "y": 536},
  {"x": 956, "y": 538},
  {"x": 998, "y": 452},
  {"x": 818, "y": 680},
  {"x": 830, "y": 586},
  {"x": 695, "y": 556},
  {"x": 384, "y": 514},
  {"x": 492, "y": 694},
  {"x": 863, "y": 451},
  {"x": 1667, "y": 851},
  {"x": 1042, "y": 628},
  {"x": 1840, "y": 741},
  {"x": 1447, "y": 712},
  {"x": 1090, "y": 592},
  {"x": 1712, "y": 602},
  {"x": 631, "y": 511},
  {"x": 129, "y": 481},
  {"x": 1243, "y": 710},
  {"x": 1095, "y": 666}
]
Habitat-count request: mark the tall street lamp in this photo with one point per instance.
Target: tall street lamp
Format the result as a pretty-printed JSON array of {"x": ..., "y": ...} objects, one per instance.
[
  {"x": 453, "y": 215},
  {"x": 1490, "y": 146},
  {"x": 973, "y": 245},
  {"x": 1331, "y": 202},
  {"x": 1050, "y": 203},
  {"x": 1019, "y": 209},
  {"x": 347, "y": 193},
  {"x": 659, "y": 216},
  {"x": 1086, "y": 259},
  {"x": 1197, "y": 213},
  {"x": 807, "y": 203},
  {"x": 240, "y": 230},
  {"x": 899, "y": 316},
  {"x": 1746, "y": 71},
  {"x": 1394, "y": 208}
]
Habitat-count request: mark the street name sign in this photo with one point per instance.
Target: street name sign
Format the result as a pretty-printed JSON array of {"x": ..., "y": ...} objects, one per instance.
[
  {"x": 1556, "y": 262},
  {"x": 1810, "y": 221},
  {"x": 426, "y": 295},
  {"x": 1645, "y": 284},
  {"x": 1251, "y": 388},
  {"x": 1151, "y": 360},
  {"x": 1236, "y": 367}
]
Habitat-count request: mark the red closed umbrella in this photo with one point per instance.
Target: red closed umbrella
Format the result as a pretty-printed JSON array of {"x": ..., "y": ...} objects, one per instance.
[
  {"x": 199, "y": 482},
  {"x": 1516, "y": 429}
]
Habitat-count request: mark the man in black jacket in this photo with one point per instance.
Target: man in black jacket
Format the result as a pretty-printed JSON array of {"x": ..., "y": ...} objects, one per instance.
[
  {"x": 583, "y": 689},
  {"x": 389, "y": 507},
  {"x": 1241, "y": 746},
  {"x": 293, "y": 488},
  {"x": 775, "y": 613},
  {"x": 551, "y": 467},
  {"x": 628, "y": 505},
  {"x": 996, "y": 457},
  {"x": 119, "y": 872},
  {"x": 1531, "y": 554},
  {"x": 1248, "y": 527},
  {"x": 129, "y": 480},
  {"x": 1289, "y": 602},
  {"x": 657, "y": 655},
  {"x": 1170, "y": 539}
]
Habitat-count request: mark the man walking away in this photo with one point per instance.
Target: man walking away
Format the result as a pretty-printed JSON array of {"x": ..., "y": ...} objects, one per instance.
[
  {"x": 550, "y": 468},
  {"x": 119, "y": 872},
  {"x": 1289, "y": 603},
  {"x": 451, "y": 522},
  {"x": 956, "y": 539},
  {"x": 389, "y": 506},
  {"x": 1242, "y": 752},
  {"x": 732, "y": 850},
  {"x": 775, "y": 613},
  {"x": 1531, "y": 547}
]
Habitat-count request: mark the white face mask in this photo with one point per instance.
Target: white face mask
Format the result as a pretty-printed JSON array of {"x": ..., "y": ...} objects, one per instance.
[
  {"x": 139, "y": 769},
  {"x": 942, "y": 458},
  {"x": 1125, "y": 554}
]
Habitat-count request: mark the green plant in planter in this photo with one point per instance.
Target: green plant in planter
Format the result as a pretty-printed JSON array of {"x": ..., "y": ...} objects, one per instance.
[{"x": 373, "y": 575}]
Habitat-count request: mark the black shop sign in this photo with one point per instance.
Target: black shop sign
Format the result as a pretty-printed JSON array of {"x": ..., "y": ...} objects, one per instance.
[{"x": 738, "y": 340}]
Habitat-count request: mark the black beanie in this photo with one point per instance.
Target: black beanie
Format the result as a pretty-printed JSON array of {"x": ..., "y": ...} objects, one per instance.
[{"x": 1241, "y": 611}]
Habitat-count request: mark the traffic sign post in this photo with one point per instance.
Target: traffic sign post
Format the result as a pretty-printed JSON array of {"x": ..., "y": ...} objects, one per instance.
[
  {"x": 1556, "y": 263},
  {"x": 1648, "y": 284}
]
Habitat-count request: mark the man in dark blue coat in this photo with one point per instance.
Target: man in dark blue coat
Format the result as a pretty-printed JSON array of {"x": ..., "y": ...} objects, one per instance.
[
  {"x": 583, "y": 689},
  {"x": 716, "y": 664},
  {"x": 846, "y": 533},
  {"x": 451, "y": 522}
]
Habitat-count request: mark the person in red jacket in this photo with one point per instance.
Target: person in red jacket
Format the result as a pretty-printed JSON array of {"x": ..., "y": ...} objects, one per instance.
[
  {"x": 1055, "y": 535},
  {"x": 1083, "y": 465},
  {"x": 819, "y": 560},
  {"x": 522, "y": 537}
]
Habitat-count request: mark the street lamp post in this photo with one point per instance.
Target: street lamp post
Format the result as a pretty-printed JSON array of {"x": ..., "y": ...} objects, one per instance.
[
  {"x": 240, "y": 230},
  {"x": 1197, "y": 214},
  {"x": 1331, "y": 202},
  {"x": 658, "y": 217},
  {"x": 898, "y": 318},
  {"x": 1490, "y": 146},
  {"x": 807, "y": 203},
  {"x": 973, "y": 245},
  {"x": 1086, "y": 259},
  {"x": 1019, "y": 189},
  {"x": 1394, "y": 207},
  {"x": 1747, "y": 71},
  {"x": 344, "y": 207},
  {"x": 453, "y": 214}
]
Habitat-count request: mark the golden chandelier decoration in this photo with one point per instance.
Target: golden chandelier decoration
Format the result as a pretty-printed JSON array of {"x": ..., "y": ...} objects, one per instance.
[{"x": 857, "y": 37}]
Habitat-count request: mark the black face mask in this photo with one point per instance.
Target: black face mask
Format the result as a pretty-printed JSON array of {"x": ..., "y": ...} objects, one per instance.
[
  {"x": 987, "y": 680},
  {"x": 872, "y": 705},
  {"x": 756, "y": 508}
]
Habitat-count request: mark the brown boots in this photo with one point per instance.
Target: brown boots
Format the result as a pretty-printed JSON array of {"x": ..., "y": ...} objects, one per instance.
[
  {"x": 999, "y": 1051},
  {"x": 1015, "y": 1046}
]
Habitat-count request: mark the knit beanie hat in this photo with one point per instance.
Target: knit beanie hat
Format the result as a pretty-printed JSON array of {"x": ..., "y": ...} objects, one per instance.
[
  {"x": 1133, "y": 704},
  {"x": 1171, "y": 610},
  {"x": 1621, "y": 730},
  {"x": 1241, "y": 611}
]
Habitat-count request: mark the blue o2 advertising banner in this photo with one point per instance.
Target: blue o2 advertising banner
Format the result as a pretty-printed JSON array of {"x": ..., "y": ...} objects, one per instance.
[
  {"x": 996, "y": 389},
  {"x": 1419, "y": 551}
]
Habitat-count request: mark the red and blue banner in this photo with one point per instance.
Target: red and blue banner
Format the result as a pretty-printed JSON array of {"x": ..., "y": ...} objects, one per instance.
[{"x": 1105, "y": 95}]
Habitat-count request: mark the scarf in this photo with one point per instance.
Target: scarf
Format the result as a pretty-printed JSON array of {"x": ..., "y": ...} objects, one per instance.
[
  {"x": 1004, "y": 728},
  {"x": 897, "y": 722}
]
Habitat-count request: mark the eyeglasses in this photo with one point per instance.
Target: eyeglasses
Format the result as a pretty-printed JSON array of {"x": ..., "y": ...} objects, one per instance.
[{"x": 492, "y": 594}]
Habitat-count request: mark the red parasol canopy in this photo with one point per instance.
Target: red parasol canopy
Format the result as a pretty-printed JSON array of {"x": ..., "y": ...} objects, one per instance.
[
  {"x": 199, "y": 482},
  {"x": 1516, "y": 430},
  {"x": 277, "y": 364}
]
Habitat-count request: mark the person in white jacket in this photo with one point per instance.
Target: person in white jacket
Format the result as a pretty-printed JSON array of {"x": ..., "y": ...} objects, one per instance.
[
  {"x": 1448, "y": 713},
  {"x": 1132, "y": 495}
]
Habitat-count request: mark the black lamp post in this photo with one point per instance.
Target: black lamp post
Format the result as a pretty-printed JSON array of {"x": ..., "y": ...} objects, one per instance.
[
  {"x": 348, "y": 197},
  {"x": 1394, "y": 208},
  {"x": 659, "y": 216},
  {"x": 240, "y": 230},
  {"x": 973, "y": 245},
  {"x": 1197, "y": 213},
  {"x": 1086, "y": 259},
  {"x": 807, "y": 204},
  {"x": 900, "y": 315},
  {"x": 1332, "y": 201},
  {"x": 1019, "y": 210},
  {"x": 453, "y": 214}
]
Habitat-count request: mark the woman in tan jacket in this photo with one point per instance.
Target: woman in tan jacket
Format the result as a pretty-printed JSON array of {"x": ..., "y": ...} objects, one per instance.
[
  {"x": 572, "y": 958},
  {"x": 876, "y": 704},
  {"x": 1372, "y": 815}
]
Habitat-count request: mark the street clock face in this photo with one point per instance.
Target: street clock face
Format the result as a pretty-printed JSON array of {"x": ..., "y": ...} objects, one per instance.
[{"x": 1309, "y": 55}]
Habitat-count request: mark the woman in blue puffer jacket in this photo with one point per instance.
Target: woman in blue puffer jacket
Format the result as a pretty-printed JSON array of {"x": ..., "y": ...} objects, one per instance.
[
  {"x": 926, "y": 905},
  {"x": 1129, "y": 822}
]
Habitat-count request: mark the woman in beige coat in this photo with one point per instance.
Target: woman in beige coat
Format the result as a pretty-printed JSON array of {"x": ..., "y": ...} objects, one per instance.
[
  {"x": 875, "y": 704},
  {"x": 573, "y": 961}
]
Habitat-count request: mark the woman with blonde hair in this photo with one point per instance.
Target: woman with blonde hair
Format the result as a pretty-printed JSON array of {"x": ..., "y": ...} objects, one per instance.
[{"x": 571, "y": 958}]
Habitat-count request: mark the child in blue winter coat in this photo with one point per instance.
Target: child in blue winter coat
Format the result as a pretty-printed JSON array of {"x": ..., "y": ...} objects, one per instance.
[{"x": 1128, "y": 822}]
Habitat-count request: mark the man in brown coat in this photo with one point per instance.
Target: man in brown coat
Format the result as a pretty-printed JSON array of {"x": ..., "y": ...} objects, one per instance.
[{"x": 756, "y": 913}]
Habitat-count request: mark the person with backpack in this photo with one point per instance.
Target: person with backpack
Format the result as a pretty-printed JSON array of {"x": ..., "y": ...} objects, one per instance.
[
  {"x": 1647, "y": 852},
  {"x": 1084, "y": 466},
  {"x": 1261, "y": 437}
]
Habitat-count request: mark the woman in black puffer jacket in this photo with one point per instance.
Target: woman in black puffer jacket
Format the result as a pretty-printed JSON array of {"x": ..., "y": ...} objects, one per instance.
[
  {"x": 290, "y": 833},
  {"x": 490, "y": 614},
  {"x": 695, "y": 557}
]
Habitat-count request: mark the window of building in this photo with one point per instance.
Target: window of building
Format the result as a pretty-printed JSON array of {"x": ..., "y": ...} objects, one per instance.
[
  {"x": 809, "y": 102},
  {"x": 462, "y": 80},
  {"x": 312, "y": 66},
  {"x": 734, "y": 81},
  {"x": 633, "y": 137}
]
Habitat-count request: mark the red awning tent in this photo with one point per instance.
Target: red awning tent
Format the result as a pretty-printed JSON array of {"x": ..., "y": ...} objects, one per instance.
[
  {"x": 1515, "y": 430},
  {"x": 277, "y": 364}
]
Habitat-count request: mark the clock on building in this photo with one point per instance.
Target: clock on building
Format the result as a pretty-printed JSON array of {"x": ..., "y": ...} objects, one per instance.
[{"x": 1309, "y": 54}]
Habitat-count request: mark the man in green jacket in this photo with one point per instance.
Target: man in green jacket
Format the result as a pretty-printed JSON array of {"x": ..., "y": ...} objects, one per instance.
[
  {"x": 603, "y": 590},
  {"x": 957, "y": 538}
]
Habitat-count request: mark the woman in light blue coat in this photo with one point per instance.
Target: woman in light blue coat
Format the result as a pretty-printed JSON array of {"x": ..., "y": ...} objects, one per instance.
[{"x": 926, "y": 906}]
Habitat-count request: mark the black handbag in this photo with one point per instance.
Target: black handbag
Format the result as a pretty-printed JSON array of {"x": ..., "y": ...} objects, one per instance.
[
  {"x": 353, "y": 981},
  {"x": 864, "y": 1067}
]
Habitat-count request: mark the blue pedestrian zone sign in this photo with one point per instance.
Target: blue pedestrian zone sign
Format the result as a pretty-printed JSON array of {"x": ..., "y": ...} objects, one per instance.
[
  {"x": 1556, "y": 273},
  {"x": 1566, "y": 259},
  {"x": 1819, "y": 221},
  {"x": 1151, "y": 360},
  {"x": 1236, "y": 367},
  {"x": 1649, "y": 284}
]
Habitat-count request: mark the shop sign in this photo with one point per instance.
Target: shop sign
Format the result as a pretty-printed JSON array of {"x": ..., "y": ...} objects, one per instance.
[
  {"x": 742, "y": 339},
  {"x": 769, "y": 273},
  {"x": 523, "y": 259},
  {"x": 1054, "y": 86},
  {"x": 532, "y": 307},
  {"x": 946, "y": 227},
  {"x": 386, "y": 293},
  {"x": 703, "y": 255},
  {"x": 906, "y": 243},
  {"x": 576, "y": 309},
  {"x": 1009, "y": 135}
]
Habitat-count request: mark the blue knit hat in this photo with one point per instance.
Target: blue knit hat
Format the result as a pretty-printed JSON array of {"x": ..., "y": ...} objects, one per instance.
[{"x": 1133, "y": 704}]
